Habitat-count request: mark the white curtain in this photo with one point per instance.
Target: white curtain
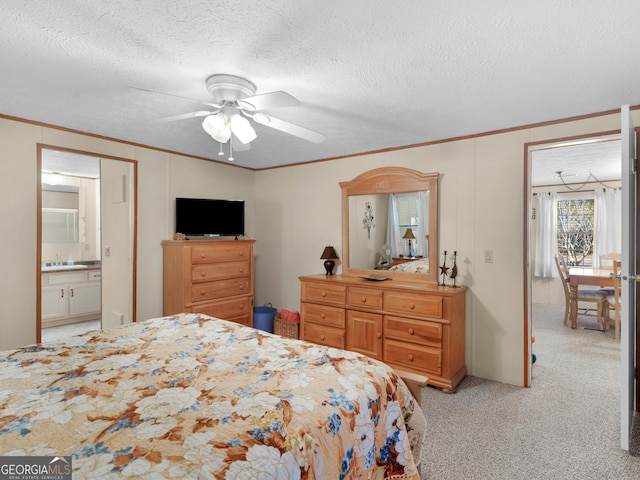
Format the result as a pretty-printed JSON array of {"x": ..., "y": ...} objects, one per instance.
[
  {"x": 421, "y": 207},
  {"x": 393, "y": 229},
  {"x": 546, "y": 242},
  {"x": 423, "y": 223},
  {"x": 608, "y": 203}
]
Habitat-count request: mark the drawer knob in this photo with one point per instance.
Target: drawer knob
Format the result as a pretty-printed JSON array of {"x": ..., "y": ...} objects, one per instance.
[
  {"x": 203, "y": 274},
  {"x": 411, "y": 332},
  {"x": 364, "y": 299},
  {"x": 379, "y": 335},
  {"x": 412, "y": 306},
  {"x": 410, "y": 357},
  {"x": 202, "y": 255},
  {"x": 322, "y": 337},
  {"x": 242, "y": 270},
  {"x": 202, "y": 292},
  {"x": 324, "y": 294},
  {"x": 323, "y": 315}
]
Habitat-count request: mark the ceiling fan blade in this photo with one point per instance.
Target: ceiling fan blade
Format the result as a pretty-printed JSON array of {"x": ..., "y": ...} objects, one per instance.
[
  {"x": 268, "y": 100},
  {"x": 146, "y": 90},
  {"x": 182, "y": 116},
  {"x": 289, "y": 128},
  {"x": 211, "y": 104}
]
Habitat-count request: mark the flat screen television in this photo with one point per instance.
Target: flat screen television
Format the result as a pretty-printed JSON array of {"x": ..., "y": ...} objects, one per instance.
[{"x": 209, "y": 217}]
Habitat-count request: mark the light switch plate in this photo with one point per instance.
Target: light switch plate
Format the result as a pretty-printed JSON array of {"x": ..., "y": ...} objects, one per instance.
[{"x": 488, "y": 256}]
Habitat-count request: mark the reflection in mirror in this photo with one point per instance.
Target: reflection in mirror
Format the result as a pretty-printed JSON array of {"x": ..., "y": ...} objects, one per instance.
[
  {"x": 396, "y": 217},
  {"x": 383, "y": 210},
  {"x": 60, "y": 205},
  {"x": 59, "y": 225}
]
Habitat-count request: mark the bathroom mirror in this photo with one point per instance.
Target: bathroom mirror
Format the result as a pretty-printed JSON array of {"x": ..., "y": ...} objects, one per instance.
[
  {"x": 60, "y": 214},
  {"x": 368, "y": 202},
  {"x": 59, "y": 225}
]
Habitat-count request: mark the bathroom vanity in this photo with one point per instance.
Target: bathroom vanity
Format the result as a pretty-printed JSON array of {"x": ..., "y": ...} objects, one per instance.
[{"x": 70, "y": 294}]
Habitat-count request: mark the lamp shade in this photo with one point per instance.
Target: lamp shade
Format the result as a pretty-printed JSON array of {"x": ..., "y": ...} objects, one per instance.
[
  {"x": 409, "y": 234},
  {"x": 242, "y": 129},
  {"x": 329, "y": 253},
  {"x": 216, "y": 125}
]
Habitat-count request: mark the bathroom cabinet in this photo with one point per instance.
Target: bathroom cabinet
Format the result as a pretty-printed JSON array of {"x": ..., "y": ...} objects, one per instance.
[{"x": 70, "y": 297}]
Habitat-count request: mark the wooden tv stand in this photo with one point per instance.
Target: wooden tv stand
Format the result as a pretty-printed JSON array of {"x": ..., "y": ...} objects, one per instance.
[{"x": 214, "y": 277}]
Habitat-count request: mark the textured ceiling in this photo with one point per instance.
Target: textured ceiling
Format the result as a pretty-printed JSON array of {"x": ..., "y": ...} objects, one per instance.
[
  {"x": 584, "y": 162},
  {"x": 370, "y": 75}
]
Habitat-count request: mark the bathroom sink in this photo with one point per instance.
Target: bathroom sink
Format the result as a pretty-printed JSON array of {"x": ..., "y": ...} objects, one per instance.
[{"x": 53, "y": 268}]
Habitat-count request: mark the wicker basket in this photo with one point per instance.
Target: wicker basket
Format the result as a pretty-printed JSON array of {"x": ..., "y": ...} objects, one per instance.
[{"x": 284, "y": 328}]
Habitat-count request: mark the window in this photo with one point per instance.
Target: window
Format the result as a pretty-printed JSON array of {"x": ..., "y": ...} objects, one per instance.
[
  {"x": 408, "y": 216},
  {"x": 575, "y": 234},
  {"x": 408, "y": 211}
]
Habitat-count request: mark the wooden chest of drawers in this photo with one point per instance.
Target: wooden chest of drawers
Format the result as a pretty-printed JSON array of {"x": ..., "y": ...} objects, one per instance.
[
  {"x": 411, "y": 327},
  {"x": 214, "y": 277}
]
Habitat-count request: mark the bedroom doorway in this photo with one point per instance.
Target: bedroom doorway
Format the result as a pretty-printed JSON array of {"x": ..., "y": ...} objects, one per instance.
[
  {"x": 628, "y": 215},
  {"x": 87, "y": 238},
  {"x": 569, "y": 170}
]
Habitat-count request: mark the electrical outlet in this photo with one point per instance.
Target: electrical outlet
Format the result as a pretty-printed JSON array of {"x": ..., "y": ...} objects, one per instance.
[{"x": 488, "y": 256}]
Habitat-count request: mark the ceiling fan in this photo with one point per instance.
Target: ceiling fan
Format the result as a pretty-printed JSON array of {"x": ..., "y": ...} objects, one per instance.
[{"x": 235, "y": 103}]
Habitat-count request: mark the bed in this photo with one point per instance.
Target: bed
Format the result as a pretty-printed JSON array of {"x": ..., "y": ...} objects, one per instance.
[
  {"x": 415, "y": 266},
  {"x": 191, "y": 396}
]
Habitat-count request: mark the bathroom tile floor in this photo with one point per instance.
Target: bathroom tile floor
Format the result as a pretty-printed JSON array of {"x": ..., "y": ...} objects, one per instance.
[{"x": 65, "y": 331}]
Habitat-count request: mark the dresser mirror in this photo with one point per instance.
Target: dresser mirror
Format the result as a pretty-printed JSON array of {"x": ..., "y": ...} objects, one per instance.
[{"x": 370, "y": 242}]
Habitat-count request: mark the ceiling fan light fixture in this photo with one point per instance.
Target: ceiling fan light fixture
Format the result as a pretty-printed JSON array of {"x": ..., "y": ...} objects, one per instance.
[
  {"x": 217, "y": 126},
  {"x": 242, "y": 129},
  {"x": 235, "y": 104}
]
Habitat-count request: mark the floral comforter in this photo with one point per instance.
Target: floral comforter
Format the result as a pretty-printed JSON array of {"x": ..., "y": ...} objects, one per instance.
[
  {"x": 190, "y": 396},
  {"x": 416, "y": 266}
]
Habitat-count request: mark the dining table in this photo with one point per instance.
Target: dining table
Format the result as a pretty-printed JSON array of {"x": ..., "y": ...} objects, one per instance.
[{"x": 599, "y": 277}]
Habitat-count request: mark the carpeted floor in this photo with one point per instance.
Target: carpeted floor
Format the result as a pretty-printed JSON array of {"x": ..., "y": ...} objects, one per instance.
[{"x": 566, "y": 426}]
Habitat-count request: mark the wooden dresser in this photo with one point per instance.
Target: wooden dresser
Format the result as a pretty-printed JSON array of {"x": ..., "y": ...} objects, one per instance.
[
  {"x": 214, "y": 277},
  {"x": 411, "y": 327}
]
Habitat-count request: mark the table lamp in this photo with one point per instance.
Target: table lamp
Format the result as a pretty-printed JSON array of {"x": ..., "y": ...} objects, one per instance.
[
  {"x": 408, "y": 234},
  {"x": 329, "y": 255}
]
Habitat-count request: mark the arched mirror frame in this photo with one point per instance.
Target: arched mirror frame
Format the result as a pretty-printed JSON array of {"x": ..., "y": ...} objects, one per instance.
[{"x": 393, "y": 180}]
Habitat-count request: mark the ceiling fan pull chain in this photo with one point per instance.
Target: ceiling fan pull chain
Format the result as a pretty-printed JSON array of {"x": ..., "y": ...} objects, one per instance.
[{"x": 231, "y": 148}]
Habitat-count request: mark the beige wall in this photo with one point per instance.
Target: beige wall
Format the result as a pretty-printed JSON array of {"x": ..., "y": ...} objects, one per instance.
[
  {"x": 481, "y": 208},
  {"x": 161, "y": 177},
  {"x": 294, "y": 212}
]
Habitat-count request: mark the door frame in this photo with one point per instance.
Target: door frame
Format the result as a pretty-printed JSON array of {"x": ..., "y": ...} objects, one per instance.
[
  {"x": 40, "y": 147},
  {"x": 528, "y": 147},
  {"x": 527, "y": 362}
]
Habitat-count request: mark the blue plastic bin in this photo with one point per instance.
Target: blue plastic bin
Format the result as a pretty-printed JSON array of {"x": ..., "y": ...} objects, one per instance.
[{"x": 263, "y": 318}]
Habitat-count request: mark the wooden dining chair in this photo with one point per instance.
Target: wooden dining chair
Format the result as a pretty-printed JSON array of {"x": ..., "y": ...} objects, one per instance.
[
  {"x": 613, "y": 301},
  {"x": 606, "y": 260},
  {"x": 584, "y": 295}
]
